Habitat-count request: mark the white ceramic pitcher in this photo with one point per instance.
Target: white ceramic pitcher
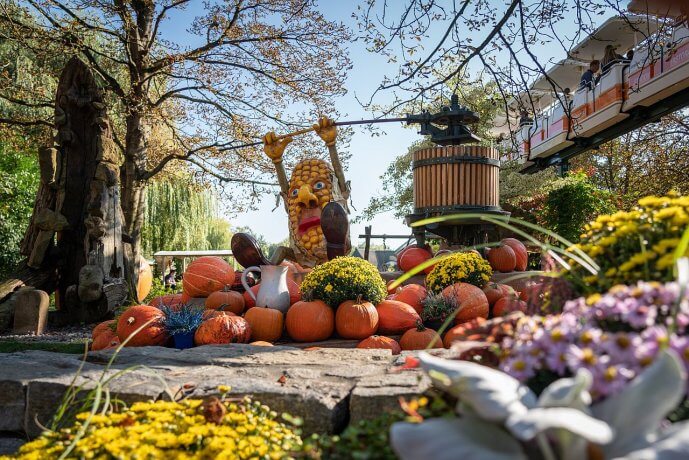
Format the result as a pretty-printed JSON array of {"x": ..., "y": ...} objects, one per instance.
[{"x": 272, "y": 290}]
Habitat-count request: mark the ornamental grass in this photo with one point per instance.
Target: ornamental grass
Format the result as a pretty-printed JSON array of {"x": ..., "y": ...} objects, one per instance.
[{"x": 344, "y": 278}]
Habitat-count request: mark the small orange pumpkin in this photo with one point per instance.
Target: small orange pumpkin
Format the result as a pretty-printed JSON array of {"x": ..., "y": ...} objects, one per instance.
[
  {"x": 135, "y": 317},
  {"x": 105, "y": 340},
  {"x": 261, "y": 343},
  {"x": 472, "y": 301},
  {"x": 520, "y": 252},
  {"x": 502, "y": 258},
  {"x": 411, "y": 257},
  {"x": 492, "y": 292},
  {"x": 396, "y": 317},
  {"x": 225, "y": 300},
  {"x": 310, "y": 321},
  {"x": 507, "y": 305},
  {"x": 356, "y": 319},
  {"x": 412, "y": 294},
  {"x": 420, "y": 338},
  {"x": 381, "y": 342},
  {"x": 464, "y": 331},
  {"x": 169, "y": 300},
  {"x": 223, "y": 329},
  {"x": 105, "y": 326},
  {"x": 266, "y": 323},
  {"x": 206, "y": 275}
]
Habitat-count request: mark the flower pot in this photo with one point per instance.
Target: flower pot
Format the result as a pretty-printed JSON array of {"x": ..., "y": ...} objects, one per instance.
[{"x": 184, "y": 340}]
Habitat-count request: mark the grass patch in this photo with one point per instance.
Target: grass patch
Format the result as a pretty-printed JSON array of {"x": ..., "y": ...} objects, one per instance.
[{"x": 11, "y": 346}]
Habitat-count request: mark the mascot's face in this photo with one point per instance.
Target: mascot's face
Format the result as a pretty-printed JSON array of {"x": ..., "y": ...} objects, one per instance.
[{"x": 310, "y": 189}]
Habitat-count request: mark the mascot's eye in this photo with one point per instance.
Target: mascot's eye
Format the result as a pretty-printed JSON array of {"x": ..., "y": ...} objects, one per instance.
[
  {"x": 294, "y": 193},
  {"x": 318, "y": 186}
]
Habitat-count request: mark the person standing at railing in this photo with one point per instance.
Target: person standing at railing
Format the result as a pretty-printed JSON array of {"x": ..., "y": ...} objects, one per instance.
[
  {"x": 610, "y": 57},
  {"x": 588, "y": 77}
]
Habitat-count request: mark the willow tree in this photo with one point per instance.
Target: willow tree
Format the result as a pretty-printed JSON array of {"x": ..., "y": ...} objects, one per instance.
[{"x": 225, "y": 81}]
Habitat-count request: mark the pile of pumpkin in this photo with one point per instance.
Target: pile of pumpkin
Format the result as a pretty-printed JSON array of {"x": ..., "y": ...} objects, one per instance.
[
  {"x": 399, "y": 316},
  {"x": 508, "y": 255}
]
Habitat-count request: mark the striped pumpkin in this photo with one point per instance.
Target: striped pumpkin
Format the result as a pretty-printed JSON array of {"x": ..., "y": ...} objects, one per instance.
[{"x": 206, "y": 275}]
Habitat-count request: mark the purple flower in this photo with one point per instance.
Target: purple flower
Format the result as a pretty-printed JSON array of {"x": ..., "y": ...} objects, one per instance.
[{"x": 521, "y": 366}]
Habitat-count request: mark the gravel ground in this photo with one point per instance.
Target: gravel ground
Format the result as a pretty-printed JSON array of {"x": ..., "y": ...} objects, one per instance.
[{"x": 70, "y": 334}]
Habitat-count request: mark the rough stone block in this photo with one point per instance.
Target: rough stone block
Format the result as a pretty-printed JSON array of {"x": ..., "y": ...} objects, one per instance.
[
  {"x": 376, "y": 395},
  {"x": 30, "y": 311}
]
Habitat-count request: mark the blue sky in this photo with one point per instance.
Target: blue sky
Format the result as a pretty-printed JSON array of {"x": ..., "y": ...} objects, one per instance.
[{"x": 370, "y": 154}]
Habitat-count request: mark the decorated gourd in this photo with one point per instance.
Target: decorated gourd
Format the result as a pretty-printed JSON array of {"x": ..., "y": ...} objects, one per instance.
[
  {"x": 223, "y": 329},
  {"x": 134, "y": 318}
]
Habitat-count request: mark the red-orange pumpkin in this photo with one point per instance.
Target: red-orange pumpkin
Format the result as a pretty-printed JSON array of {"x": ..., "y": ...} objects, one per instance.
[
  {"x": 420, "y": 338},
  {"x": 206, "y": 275},
  {"x": 412, "y": 294},
  {"x": 223, "y": 329},
  {"x": 492, "y": 292},
  {"x": 464, "y": 331},
  {"x": 226, "y": 301},
  {"x": 356, "y": 319},
  {"x": 508, "y": 305},
  {"x": 502, "y": 258},
  {"x": 395, "y": 317},
  {"x": 266, "y": 323},
  {"x": 105, "y": 340},
  {"x": 411, "y": 257},
  {"x": 522, "y": 256},
  {"x": 105, "y": 326},
  {"x": 248, "y": 300},
  {"x": 381, "y": 342},
  {"x": 135, "y": 317},
  {"x": 472, "y": 302},
  {"x": 168, "y": 300},
  {"x": 310, "y": 321},
  {"x": 213, "y": 313}
]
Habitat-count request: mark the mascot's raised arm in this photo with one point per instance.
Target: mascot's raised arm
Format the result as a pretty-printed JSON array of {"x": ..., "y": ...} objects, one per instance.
[{"x": 315, "y": 198}]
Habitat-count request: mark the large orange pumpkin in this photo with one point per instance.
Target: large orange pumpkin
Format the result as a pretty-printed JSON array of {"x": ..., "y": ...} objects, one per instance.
[
  {"x": 225, "y": 300},
  {"x": 105, "y": 326},
  {"x": 411, "y": 257},
  {"x": 396, "y": 317},
  {"x": 310, "y": 321},
  {"x": 420, "y": 338},
  {"x": 356, "y": 319},
  {"x": 472, "y": 302},
  {"x": 520, "y": 252},
  {"x": 105, "y": 340},
  {"x": 266, "y": 323},
  {"x": 206, "y": 275},
  {"x": 168, "y": 300},
  {"x": 381, "y": 342},
  {"x": 502, "y": 258},
  {"x": 145, "y": 283},
  {"x": 223, "y": 329},
  {"x": 412, "y": 294},
  {"x": 507, "y": 305},
  {"x": 135, "y": 317}
]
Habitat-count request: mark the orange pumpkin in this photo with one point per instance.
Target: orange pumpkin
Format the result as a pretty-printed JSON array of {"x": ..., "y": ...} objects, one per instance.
[
  {"x": 225, "y": 300},
  {"x": 411, "y": 257},
  {"x": 135, "y": 317},
  {"x": 412, "y": 294},
  {"x": 463, "y": 331},
  {"x": 223, "y": 329},
  {"x": 105, "y": 340},
  {"x": 213, "y": 313},
  {"x": 492, "y": 292},
  {"x": 472, "y": 302},
  {"x": 266, "y": 323},
  {"x": 310, "y": 321},
  {"x": 356, "y": 319},
  {"x": 508, "y": 305},
  {"x": 169, "y": 300},
  {"x": 248, "y": 300},
  {"x": 396, "y": 317},
  {"x": 502, "y": 258},
  {"x": 206, "y": 275},
  {"x": 381, "y": 342},
  {"x": 145, "y": 282},
  {"x": 261, "y": 343},
  {"x": 522, "y": 256},
  {"x": 105, "y": 326},
  {"x": 420, "y": 338}
]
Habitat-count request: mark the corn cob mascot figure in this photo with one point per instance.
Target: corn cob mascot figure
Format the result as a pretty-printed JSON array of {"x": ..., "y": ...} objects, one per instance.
[{"x": 315, "y": 198}]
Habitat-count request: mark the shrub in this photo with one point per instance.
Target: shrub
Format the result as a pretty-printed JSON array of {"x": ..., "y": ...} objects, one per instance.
[
  {"x": 187, "y": 429},
  {"x": 634, "y": 245},
  {"x": 344, "y": 278},
  {"x": 460, "y": 267}
]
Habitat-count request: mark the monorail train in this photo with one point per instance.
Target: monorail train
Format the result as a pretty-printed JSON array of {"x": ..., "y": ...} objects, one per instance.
[{"x": 567, "y": 112}]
